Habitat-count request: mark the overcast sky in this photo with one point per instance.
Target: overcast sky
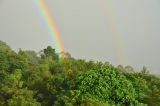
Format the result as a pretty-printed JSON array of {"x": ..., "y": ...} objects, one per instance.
[{"x": 118, "y": 31}]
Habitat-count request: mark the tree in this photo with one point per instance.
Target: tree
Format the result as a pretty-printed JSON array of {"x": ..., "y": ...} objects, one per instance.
[
  {"x": 23, "y": 97},
  {"x": 28, "y": 79},
  {"x": 4, "y": 47},
  {"x": 32, "y": 57},
  {"x": 144, "y": 70},
  {"x": 129, "y": 68},
  {"x": 4, "y": 64},
  {"x": 50, "y": 53},
  {"x": 106, "y": 85},
  {"x": 152, "y": 97},
  {"x": 11, "y": 83},
  {"x": 138, "y": 83}
]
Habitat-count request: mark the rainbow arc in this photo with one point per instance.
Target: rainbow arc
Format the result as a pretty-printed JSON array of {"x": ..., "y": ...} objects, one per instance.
[{"x": 42, "y": 7}]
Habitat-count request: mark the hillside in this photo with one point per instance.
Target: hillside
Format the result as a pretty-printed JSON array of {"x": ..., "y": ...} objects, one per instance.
[{"x": 48, "y": 78}]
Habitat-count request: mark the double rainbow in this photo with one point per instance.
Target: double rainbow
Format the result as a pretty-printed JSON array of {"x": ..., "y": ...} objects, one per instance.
[
  {"x": 54, "y": 33},
  {"x": 50, "y": 23}
]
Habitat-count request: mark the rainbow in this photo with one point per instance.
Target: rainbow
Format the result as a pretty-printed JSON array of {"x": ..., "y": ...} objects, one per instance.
[
  {"x": 115, "y": 30},
  {"x": 54, "y": 33},
  {"x": 52, "y": 29}
]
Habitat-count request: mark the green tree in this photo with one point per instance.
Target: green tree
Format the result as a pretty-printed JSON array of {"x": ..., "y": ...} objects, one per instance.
[
  {"x": 4, "y": 64},
  {"x": 138, "y": 83},
  {"x": 23, "y": 97},
  {"x": 4, "y": 47},
  {"x": 106, "y": 85},
  {"x": 49, "y": 52}
]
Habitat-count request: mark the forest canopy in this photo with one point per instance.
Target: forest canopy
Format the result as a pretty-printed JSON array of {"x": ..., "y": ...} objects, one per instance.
[{"x": 48, "y": 78}]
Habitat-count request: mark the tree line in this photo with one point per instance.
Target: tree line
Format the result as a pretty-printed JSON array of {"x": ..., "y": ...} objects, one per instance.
[{"x": 48, "y": 78}]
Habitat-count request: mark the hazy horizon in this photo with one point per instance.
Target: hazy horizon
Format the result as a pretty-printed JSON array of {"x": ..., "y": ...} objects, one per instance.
[{"x": 120, "y": 32}]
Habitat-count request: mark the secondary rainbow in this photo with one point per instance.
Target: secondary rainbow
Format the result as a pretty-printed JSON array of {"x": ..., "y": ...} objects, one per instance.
[
  {"x": 109, "y": 14},
  {"x": 51, "y": 27}
]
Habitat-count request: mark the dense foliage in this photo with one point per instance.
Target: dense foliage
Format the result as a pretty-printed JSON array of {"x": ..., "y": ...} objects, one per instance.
[{"x": 48, "y": 78}]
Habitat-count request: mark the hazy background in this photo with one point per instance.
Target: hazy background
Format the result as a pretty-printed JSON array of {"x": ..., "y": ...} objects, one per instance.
[{"x": 118, "y": 31}]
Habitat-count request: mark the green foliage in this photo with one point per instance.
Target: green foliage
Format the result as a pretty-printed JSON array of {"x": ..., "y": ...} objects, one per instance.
[
  {"x": 92, "y": 102},
  {"x": 49, "y": 52},
  {"x": 32, "y": 57},
  {"x": 152, "y": 97},
  {"x": 11, "y": 83},
  {"x": 106, "y": 84},
  {"x": 52, "y": 79},
  {"x": 23, "y": 97},
  {"x": 139, "y": 84},
  {"x": 4, "y": 64},
  {"x": 4, "y": 47}
]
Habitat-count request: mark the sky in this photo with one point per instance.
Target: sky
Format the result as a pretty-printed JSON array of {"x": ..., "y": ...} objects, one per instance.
[{"x": 123, "y": 32}]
